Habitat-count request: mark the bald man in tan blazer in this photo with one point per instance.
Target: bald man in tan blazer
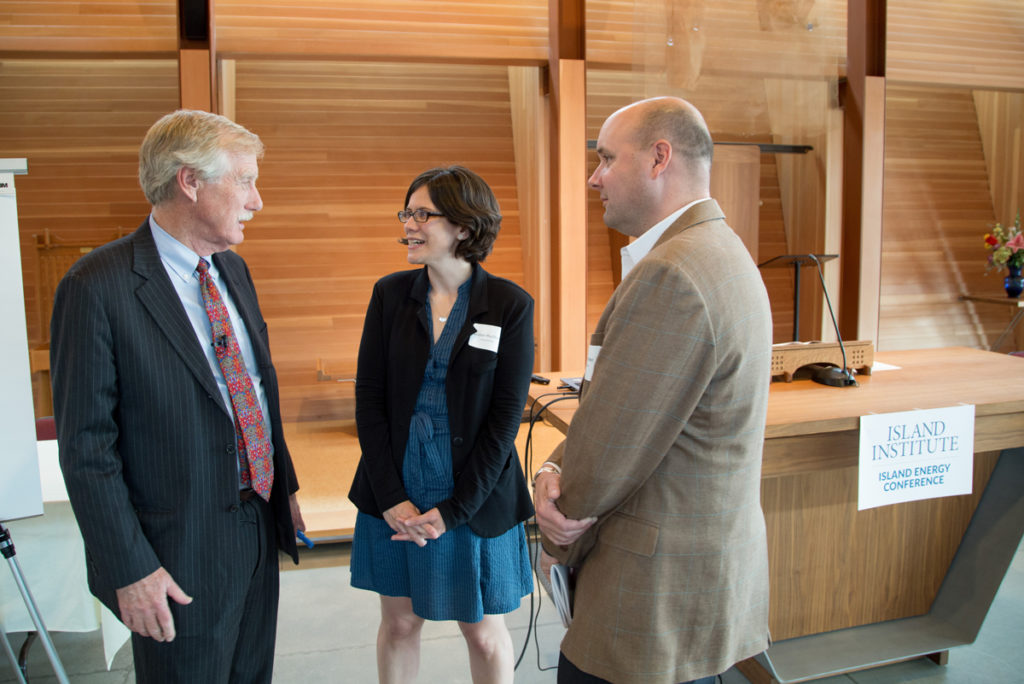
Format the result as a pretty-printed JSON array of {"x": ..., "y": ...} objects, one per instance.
[{"x": 655, "y": 494}]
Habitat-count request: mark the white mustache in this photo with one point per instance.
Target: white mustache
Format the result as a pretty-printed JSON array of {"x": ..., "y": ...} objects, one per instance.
[{"x": 246, "y": 217}]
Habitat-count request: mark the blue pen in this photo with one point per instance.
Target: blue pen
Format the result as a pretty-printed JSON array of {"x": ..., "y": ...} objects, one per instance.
[{"x": 303, "y": 538}]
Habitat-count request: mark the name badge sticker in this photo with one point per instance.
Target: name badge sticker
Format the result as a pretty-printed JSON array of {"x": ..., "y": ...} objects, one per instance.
[{"x": 485, "y": 337}]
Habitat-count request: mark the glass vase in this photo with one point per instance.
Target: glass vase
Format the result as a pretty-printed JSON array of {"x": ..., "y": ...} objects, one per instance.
[{"x": 1013, "y": 283}]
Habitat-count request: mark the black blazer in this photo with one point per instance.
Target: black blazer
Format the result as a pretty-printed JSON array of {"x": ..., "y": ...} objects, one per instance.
[
  {"x": 146, "y": 443},
  {"x": 486, "y": 394}
]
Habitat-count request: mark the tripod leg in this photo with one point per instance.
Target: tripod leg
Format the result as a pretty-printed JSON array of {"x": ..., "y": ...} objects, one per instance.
[{"x": 8, "y": 552}]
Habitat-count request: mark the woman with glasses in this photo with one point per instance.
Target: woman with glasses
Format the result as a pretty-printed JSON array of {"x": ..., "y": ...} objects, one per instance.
[{"x": 444, "y": 369}]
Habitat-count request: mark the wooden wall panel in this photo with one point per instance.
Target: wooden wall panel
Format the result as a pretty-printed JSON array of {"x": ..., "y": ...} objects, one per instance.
[
  {"x": 966, "y": 43},
  {"x": 1001, "y": 123},
  {"x": 936, "y": 211},
  {"x": 721, "y": 38},
  {"x": 970, "y": 43},
  {"x": 343, "y": 142},
  {"x": 773, "y": 242},
  {"x": 108, "y": 26},
  {"x": 736, "y": 183},
  {"x": 800, "y": 112},
  {"x": 528, "y": 105},
  {"x": 607, "y": 91},
  {"x": 502, "y": 31},
  {"x": 79, "y": 123}
]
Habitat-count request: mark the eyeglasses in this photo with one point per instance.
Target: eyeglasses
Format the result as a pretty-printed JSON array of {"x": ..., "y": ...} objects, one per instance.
[{"x": 419, "y": 216}]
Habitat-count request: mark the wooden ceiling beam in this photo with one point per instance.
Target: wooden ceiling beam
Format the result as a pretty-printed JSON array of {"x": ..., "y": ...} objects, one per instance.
[
  {"x": 197, "y": 77},
  {"x": 568, "y": 160}
]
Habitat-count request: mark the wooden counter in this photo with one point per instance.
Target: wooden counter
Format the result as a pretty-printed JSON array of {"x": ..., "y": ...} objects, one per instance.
[{"x": 852, "y": 589}]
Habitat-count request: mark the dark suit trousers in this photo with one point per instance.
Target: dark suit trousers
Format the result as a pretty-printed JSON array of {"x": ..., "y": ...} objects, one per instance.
[
  {"x": 235, "y": 644},
  {"x": 570, "y": 674}
]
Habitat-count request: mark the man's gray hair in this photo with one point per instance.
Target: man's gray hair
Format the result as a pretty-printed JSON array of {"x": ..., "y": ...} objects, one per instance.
[{"x": 196, "y": 139}]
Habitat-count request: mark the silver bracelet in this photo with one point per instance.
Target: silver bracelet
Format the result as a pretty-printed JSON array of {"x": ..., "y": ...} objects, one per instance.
[{"x": 546, "y": 467}]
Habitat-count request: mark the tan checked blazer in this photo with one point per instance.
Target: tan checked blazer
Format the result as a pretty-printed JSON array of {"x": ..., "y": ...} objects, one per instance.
[{"x": 666, "y": 450}]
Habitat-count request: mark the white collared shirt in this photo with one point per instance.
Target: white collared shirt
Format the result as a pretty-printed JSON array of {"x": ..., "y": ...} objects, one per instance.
[{"x": 638, "y": 249}]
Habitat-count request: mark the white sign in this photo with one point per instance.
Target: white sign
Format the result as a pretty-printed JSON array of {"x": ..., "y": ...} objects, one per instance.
[
  {"x": 915, "y": 455},
  {"x": 20, "y": 490}
]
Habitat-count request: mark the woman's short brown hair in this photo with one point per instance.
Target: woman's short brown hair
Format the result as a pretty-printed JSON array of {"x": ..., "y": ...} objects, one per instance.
[{"x": 466, "y": 200}]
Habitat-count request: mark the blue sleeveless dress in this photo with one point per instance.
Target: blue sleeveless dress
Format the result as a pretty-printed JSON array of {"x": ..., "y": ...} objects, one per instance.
[{"x": 460, "y": 576}]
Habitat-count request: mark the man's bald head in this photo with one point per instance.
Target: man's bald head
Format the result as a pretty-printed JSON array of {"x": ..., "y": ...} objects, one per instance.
[{"x": 655, "y": 158}]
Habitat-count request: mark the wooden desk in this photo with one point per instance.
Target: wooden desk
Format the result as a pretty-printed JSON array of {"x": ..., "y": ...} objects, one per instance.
[
  {"x": 1017, "y": 304},
  {"x": 854, "y": 589}
]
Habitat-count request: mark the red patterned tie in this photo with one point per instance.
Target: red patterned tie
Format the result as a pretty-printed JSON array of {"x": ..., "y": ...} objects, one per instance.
[{"x": 254, "y": 461}]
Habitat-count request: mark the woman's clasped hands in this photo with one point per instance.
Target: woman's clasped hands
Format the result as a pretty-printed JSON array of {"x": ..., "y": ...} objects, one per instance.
[{"x": 411, "y": 525}]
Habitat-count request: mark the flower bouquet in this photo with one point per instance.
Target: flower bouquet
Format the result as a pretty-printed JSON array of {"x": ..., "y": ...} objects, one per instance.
[{"x": 1006, "y": 249}]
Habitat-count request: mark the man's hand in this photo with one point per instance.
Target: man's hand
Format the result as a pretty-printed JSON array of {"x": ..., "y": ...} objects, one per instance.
[
  {"x": 430, "y": 525},
  {"x": 143, "y": 605},
  {"x": 555, "y": 526},
  {"x": 396, "y": 518},
  {"x": 297, "y": 522}
]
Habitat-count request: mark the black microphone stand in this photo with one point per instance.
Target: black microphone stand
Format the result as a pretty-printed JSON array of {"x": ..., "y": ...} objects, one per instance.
[
  {"x": 7, "y": 549},
  {"x": 830, "y": 375}
]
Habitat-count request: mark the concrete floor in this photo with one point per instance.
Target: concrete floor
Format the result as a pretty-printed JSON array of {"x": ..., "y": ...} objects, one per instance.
[{"x": 327, "y": 630}]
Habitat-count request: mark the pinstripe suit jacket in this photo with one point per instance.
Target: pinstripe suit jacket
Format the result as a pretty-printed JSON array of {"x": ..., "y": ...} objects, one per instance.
[
  {"x": 146, "y": 443},
  {"x": 666, "y": 450}
]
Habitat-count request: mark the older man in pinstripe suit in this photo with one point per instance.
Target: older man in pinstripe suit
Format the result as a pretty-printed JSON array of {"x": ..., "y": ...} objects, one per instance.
[
  {"x": 181, "y": 536},
  {"x": 655, "y": 494}
]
